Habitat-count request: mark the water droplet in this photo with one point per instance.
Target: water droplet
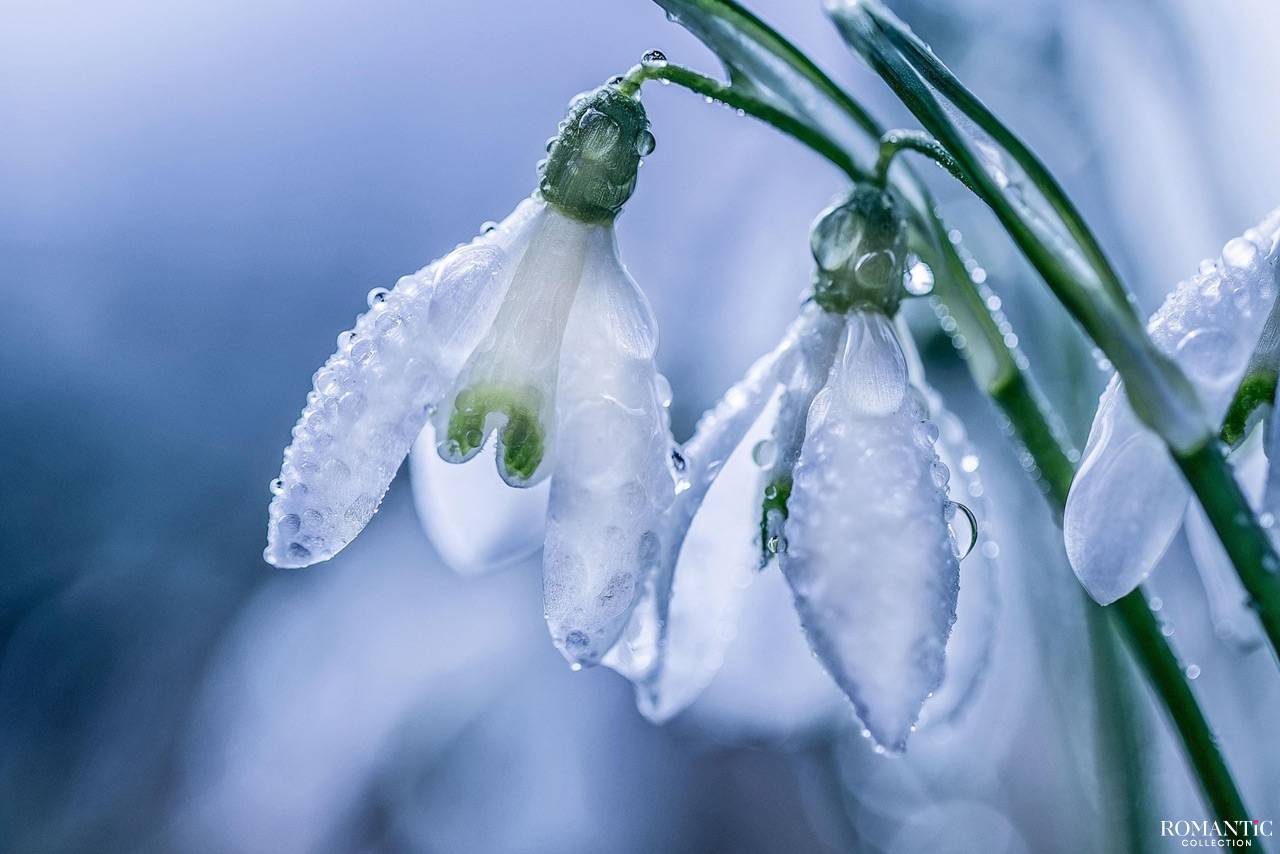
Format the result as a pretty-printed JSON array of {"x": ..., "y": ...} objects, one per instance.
[
  {"x": 1208, "y": 266},
  {"x": 1239, "y": 252},
  {"x": 677, "y": 460},
  {"x": 654, "y": 59},
  {"x": 879, "y": 748},
  {"x": 969, "y": 463},
  {"x": 1167, "y": 630},
  {"x": 489, "y": 226},
  {"x": 777, "y": 545},
  {"x": 940, "y": 474},
  {"x": 662, "y": 386},
  {"x": 277, "y": 487},
  {"x": 926, "y": 432},
  {"x": 962, "y": 540},
  {"x": 872, "y": 269},
  {"x": 345, "y": 340},
  {"x": 575, "y": 667},
  {"x": 1156, "y": 603},
  {"x": 765, "y": 453},
  {"x": 645, "y": 143},
  {"x": 919, "y": 278},
  {"x": 616, "y": 80},
  {"x": 1193, "y": 671},
  {"x": 377, "y": 297}
]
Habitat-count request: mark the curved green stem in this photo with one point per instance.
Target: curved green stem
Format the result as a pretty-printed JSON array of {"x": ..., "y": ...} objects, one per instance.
[
  {"x": 895, "y": 141},
  {"x": 735, "y": 98}
]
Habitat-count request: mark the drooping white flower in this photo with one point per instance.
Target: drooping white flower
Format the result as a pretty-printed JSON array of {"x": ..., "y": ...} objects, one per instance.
[
  {"x": 1128, "y": 499},
  {"x": 739, "y": 500},
  {"x": 868, "y": 551},
  {"x": 533, "y": 332}
]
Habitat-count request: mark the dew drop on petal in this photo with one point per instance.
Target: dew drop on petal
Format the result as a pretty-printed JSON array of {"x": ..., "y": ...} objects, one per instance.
[
  {"x": 277, "y": 487},
  {"x": 964, "y": 529},
  {"x": 663, "y": 387},
  {"x": 765, "y": 453},
  {"x": 1239, "y": 252},
  {"x": 377, "y": 297}
]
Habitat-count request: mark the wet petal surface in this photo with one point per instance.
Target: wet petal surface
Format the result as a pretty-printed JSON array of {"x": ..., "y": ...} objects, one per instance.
[
  {"x": 372, "y": 397},
  {"x": 867, "y": 550},
  {"x": 1127, "y": 500}
]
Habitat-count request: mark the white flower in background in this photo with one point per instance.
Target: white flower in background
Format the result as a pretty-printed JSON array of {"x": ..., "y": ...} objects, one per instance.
[
  {"x": 535, "y": 332},
  {"x": 822, "y": 456},
  {"x": 1128, "y": 498}
]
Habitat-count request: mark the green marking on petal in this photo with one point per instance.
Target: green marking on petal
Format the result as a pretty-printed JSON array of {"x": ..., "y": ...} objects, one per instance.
[
  {"x": 1257, "y": 389},
  {"x": 523, "y": 437},
  {"x": 776, "y": 495}
]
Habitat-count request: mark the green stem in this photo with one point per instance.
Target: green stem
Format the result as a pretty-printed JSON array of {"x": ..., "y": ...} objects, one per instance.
[
  {"x": 1247, "y": 544},
  {"x": 1166, "y": 676},
  {"x": 735, "y": 98},
  {"x": 895, "y": 141}
]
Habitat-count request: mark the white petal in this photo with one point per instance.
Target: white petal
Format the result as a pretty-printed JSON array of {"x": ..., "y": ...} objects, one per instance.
[
  {"x": 972, "y": 640},
  {"x": 475, "y": 521},
  {"x": 973, "y": 636},
  {"x": 509, "y": 384},
  {"x": 868, "y": 552},
  {"x": 1270, "y": 502},
  {"x": 770, "y": 687},
  {"x": 677, "y": 627},
  {"x": 816, "y": 348},
  {"x": 716, "y": 564},
  {"x": 371, "y": 398},
  {"x": 1128, "y": 498},
  {"x": 611, "y": 482},
  {"x": 1233, "y": 620}
]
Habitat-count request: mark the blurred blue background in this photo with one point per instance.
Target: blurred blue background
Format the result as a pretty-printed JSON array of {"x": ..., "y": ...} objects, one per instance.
[{"x": 195, "y": 198}]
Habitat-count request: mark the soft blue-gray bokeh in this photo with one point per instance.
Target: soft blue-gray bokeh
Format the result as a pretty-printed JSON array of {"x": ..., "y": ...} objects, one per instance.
[{"x": 195, "y": 198}]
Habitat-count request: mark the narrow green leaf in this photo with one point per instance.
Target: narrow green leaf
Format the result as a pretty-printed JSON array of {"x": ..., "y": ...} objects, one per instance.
[{"x": 1033, "y": 209}]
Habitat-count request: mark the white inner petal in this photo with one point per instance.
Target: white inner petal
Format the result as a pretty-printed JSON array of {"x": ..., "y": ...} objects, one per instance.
[{"x": 510, "y": 380}]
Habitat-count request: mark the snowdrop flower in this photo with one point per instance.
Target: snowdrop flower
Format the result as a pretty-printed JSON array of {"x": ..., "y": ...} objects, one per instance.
[
  {"x": 535, "y": 333},
  {"x": 849, "y": 496},
  {"x": 1128, "y": 499}
]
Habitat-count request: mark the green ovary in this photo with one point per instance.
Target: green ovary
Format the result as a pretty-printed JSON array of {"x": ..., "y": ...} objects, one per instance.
[{"x": 523, "y": 437}]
